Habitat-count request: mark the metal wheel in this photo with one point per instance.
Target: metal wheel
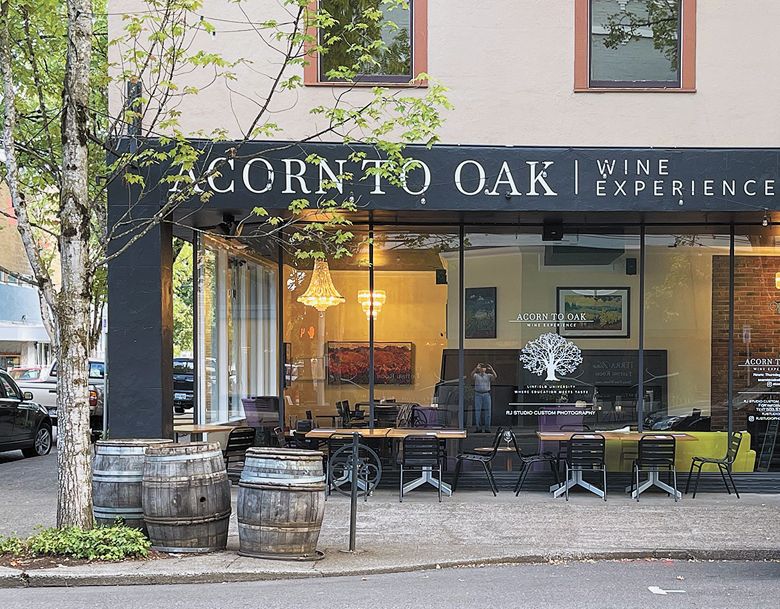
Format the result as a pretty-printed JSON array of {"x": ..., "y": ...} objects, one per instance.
[
  {"x": 369, "y": 469},
  {"x": 41, "y": 444}
]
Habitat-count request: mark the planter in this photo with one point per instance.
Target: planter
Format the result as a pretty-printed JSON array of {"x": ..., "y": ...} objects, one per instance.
[
  {"x": 117, "y": 473},
  {"x": 281, "y": 502},
  {"x": 186, "y": 497}
]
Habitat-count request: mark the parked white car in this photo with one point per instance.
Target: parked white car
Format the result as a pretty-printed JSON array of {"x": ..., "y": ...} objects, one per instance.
[{"x": 44, "y": 391}]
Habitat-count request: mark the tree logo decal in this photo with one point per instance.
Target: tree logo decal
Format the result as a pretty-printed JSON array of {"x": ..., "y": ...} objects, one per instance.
[{"x": 550, "y": 354}]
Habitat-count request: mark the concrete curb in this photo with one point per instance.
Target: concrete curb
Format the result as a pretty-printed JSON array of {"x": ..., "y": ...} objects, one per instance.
[{"x": 126, "y": 574}]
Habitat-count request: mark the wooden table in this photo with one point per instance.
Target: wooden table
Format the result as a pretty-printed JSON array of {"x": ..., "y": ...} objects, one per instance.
[
  {"x": 508, "y": 450},
  {"x": 196, "y": 431},
  {"x": 626, "y": 436},
  {"x": 397, "y": 433},
  {"x": 323, "y": 433},
  {"x": 441, "y": 434},
  {"x": 629, "y": 436}
]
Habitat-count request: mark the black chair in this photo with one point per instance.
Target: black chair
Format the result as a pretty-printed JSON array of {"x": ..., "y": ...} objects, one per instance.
[
  {"x": 281, "y": 439},
  {"x": 585, "y": 452},
  {"x": 302, "y": 427},
  {"x": 484, "y": 459},
  {"x": 655, "y": 454},
  {"x": 239, "y": 440},
  {"x": 351, "y": 418},
  {"x": 343, "y": 415},
  {"x": 724, "y": 464},
  {"x": 420, "y": 452},
  {"x": 354, "y": 417},
  {"x": 563, "y": 444},
  {"x": 526, "y": 461}
]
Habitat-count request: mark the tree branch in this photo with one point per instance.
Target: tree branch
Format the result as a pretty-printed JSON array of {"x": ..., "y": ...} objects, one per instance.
[{"x": 46, "y": 289}]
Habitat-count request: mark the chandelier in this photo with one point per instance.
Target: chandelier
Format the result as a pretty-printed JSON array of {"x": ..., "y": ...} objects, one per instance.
[
  {"x": 321, "y": 292},
  {"x": 377, "y": 298}
]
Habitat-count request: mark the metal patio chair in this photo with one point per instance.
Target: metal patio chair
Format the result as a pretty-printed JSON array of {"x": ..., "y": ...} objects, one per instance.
[
  {"x": 419, "y": 453},
  {"x": 724, "y": 464},
  {"x": 526, "y": 461},
  {"x": 585, "y": 452},
  {"x": 655, "y": 454},
  {"x": 484, "y": 459}
]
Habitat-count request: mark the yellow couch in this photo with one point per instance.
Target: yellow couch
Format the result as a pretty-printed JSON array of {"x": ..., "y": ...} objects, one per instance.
[{"x": 707, "y": 444}]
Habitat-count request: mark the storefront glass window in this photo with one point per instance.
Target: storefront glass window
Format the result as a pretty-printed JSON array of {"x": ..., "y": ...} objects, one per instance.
[
  {"x": 686, "y": 300},
  {"x": 756, "y": 362},
  {"x": 326, "y": 351},
  {"x": 686, "y": 312},
  {"x": 551, "y": 334},
  {"x": 416, "y": 325},
  {"x": 237, "y": 339}
]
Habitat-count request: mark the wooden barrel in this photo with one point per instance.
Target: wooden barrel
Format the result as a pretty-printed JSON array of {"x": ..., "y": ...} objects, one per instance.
[
  {"x": 281, "y": 502},
  {"x": 186, "y": 497},
  {"x": 117, "y": 472}
]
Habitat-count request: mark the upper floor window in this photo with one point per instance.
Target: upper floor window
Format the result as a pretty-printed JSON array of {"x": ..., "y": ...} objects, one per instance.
[
  {"x": 351, "y": 43},
  {"x": 635, "y": 45}
]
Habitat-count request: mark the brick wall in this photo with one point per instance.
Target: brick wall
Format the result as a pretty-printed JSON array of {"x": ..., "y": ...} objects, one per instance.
[{"x": 754, "y": 308}]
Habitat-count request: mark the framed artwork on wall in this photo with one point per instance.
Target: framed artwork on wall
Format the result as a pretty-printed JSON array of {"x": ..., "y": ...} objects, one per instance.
[
  {"x": 594, "y": 312},
  {"x": 348, "y": 363},
  {"x": 480, "y": 313}
]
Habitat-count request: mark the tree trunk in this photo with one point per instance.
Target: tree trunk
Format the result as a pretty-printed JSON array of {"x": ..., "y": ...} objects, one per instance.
[
  {"x": 74, "y": 507},
  {"x": 551, "y": 371}
]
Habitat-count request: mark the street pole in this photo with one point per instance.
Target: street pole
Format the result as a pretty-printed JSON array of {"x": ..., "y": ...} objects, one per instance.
[{"x": 354, "y": 493}]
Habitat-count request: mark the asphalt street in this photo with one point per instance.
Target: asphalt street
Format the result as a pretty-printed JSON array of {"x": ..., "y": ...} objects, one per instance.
[
  {"x": 642, "y": 584},
  {"x": 28, "y": 492}
]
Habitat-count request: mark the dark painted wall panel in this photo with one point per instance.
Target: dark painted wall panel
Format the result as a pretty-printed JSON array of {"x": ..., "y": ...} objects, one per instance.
[{"x": 140, "y": 325}]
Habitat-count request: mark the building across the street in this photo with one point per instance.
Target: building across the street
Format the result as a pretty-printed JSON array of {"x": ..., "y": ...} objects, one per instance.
[
  {"x": 593, "y": 247},
  {"x": 24, "y": 341}
]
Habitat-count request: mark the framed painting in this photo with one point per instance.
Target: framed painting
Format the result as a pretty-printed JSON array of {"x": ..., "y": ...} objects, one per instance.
[
  {"x": 480, "y": 313},
  {"x": 594, "y": 312},
  {"x": 348, "y": 363}
]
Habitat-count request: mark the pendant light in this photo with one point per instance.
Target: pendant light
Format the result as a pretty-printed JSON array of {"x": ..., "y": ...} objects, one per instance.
[
  {"x": 377, "y": 298},
  {"x": 321, "y": 292}
]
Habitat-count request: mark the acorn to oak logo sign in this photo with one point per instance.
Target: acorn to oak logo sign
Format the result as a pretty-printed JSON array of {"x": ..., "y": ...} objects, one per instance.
[{"x": 551, "y": 354}]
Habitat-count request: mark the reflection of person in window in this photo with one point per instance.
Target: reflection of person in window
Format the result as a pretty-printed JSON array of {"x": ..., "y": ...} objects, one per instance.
[{"x": 483, "y": 375}]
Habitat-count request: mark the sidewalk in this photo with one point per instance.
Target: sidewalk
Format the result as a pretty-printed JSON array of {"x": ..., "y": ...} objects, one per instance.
[{"x": 472, "y": 527}]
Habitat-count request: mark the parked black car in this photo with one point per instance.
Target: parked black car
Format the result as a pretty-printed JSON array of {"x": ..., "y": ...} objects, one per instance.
[
  {"x": 183, "y": 383},
  {"x": 24, "y": 424}
]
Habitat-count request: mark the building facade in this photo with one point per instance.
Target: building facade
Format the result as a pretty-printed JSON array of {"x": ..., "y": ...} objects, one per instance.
[
  {"x": 24, "y": 341},
  {"x": 593, "y": 245}
]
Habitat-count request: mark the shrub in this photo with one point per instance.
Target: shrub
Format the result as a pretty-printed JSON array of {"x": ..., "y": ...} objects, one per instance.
[{"x": 101, "y": 543}]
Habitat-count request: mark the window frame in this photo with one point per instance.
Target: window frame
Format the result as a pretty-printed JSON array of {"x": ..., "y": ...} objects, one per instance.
[
  {"x": 418, "y": 23},
  {"x": 6, "y": 382},
  {"x": 582, "y": 45}
]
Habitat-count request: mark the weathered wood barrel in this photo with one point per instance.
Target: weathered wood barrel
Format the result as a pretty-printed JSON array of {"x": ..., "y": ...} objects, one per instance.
[
  {"x": 117, "y": 473},
  {"x": 186, "y": 497},
  {"x": 281, "y": 502}
]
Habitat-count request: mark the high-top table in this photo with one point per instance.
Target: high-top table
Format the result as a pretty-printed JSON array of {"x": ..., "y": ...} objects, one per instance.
[
  {"x": 396, "y": 433},
  {"x": 576, "y": 479},
  {"x": 196, "y": 431}
]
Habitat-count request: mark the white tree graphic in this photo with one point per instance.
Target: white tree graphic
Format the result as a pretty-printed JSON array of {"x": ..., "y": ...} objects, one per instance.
[{"x": 551, "y": 353}]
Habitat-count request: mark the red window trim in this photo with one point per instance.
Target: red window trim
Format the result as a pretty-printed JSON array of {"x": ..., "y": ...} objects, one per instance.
[
  {"x": 582, "y": 53},
  {"x": 311, "y": 71}
]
